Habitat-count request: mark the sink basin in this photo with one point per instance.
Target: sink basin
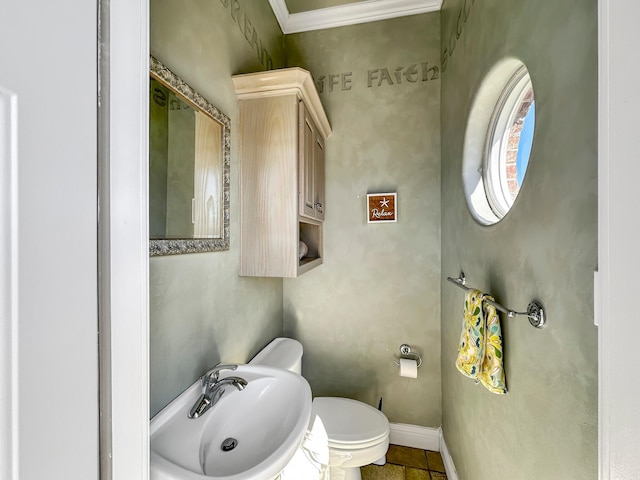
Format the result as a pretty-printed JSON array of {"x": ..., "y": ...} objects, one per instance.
[{"x": 267, "y": 420}]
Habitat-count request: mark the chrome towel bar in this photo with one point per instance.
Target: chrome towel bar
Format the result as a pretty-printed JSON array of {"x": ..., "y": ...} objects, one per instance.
[{"x": 535, "y": 311}]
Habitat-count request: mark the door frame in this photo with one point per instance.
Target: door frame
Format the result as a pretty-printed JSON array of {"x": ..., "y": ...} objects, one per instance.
[
  {"x": 123, "y": 238},
  {"x": 126, "y": 265},
  {"x": 616, "y": 311}
]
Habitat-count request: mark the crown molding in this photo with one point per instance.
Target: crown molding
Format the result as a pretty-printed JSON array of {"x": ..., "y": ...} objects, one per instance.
[
  {"x": 281, "y": 12},
  {"x": 284, "y": 81},
  {"x": 349, "y": 14}
]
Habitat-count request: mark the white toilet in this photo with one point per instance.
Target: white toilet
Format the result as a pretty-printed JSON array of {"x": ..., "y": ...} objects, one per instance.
[{"x": 358, "y": 434}]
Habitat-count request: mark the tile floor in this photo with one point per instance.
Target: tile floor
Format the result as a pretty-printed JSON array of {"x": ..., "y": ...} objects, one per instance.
[{"x": 404, "y": 463}]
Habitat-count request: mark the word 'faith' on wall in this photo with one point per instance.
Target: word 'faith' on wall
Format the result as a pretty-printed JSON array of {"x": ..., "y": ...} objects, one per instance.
[{"x": 378, "y": 77}]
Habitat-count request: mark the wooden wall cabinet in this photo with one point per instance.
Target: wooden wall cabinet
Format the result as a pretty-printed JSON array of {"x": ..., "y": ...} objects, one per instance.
[{"x": 282, "y": 129}]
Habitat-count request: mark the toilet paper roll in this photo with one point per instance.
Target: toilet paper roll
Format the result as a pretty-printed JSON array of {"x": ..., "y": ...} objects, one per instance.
[
  {"x": 408, "y": 368},
  {"x": 302, "y": 250}
]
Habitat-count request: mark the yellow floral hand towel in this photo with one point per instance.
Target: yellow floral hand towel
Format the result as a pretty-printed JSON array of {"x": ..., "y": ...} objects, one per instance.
[{"x": 480, "y": 350}]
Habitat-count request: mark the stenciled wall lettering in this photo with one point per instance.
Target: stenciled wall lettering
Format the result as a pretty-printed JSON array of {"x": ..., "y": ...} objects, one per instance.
[
  {"x": 456, "y": 32},
  {"x": 338, "y": 81},
  {"x": 161, "y": 98},
  {"x": 249, "y": 32},
  {"x": 379, "y": 77}
]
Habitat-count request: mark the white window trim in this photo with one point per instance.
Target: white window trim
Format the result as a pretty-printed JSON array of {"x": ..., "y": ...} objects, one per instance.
[
  {"x": 495, "y": 156},
  {"x": 482, "y": 116}
]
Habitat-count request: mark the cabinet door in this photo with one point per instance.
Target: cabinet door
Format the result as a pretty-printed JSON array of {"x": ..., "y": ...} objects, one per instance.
[
  {"x": 311, "y": 168},
  {"x": 306, "y": 166},
  {"x": 318, "y": 160}
]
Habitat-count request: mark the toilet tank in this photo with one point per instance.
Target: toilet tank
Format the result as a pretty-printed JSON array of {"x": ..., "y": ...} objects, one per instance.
[{"x": 281, "y": 353}]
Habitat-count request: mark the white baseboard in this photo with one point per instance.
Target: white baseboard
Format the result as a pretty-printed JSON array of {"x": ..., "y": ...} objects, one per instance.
[
  {"x": 414, "y": 436},
  {"x": 452, "y": 474},
  {"x": 425, "y": 438}
]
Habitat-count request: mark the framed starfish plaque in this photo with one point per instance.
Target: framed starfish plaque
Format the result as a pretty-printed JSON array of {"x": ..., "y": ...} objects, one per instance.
[{"x": 381, "y": 207}]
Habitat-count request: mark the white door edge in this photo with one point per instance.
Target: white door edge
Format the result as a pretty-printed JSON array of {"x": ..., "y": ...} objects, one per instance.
[{"x": 8, "y": 285}]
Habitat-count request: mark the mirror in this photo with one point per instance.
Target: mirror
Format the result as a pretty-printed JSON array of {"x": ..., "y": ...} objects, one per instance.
[{"x": 189, "y": 143}]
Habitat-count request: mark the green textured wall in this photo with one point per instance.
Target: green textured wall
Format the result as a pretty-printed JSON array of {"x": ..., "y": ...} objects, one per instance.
[
  {"x": 379, "y": 286},
  {"x": 546, "y": 427},
  {"x": 201, "y": 311},
  {"x": 382, "y": 285}
]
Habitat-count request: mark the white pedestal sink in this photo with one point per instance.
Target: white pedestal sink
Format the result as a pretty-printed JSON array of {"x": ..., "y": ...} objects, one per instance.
[{"x": 267, "y": 420}]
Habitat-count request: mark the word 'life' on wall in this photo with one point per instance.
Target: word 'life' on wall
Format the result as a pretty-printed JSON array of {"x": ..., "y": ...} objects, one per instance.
[{"x": 378, "y": 77}]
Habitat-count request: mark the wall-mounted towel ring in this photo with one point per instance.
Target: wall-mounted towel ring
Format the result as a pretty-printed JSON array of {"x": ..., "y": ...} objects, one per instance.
[{"x": 405, "y": 352}]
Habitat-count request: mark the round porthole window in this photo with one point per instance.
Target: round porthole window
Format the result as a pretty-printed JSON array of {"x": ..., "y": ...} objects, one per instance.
[{"x": 498, "y": 141}]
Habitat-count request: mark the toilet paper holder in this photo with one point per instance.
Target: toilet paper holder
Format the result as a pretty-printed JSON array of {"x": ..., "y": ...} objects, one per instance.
[{"x": 405, "y": 352}]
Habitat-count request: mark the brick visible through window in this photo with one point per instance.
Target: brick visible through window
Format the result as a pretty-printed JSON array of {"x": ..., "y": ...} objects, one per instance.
[{"x": 514, "y": 142}]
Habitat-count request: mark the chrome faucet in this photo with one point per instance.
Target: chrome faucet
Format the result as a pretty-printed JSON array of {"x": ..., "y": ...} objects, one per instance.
[{"x": 213, "y": 388}]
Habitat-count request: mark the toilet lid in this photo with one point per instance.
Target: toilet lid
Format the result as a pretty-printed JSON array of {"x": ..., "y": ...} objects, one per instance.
[{"x": 349, "y": 422}]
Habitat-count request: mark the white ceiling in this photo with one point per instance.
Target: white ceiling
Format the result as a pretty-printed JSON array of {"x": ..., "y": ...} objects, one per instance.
[
  {"x": 341, "y": 13},
  {"x": 298, "y": 6}
]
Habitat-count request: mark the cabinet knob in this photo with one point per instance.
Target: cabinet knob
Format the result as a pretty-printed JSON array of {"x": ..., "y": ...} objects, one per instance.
[{"x": 318, "y": 206}]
